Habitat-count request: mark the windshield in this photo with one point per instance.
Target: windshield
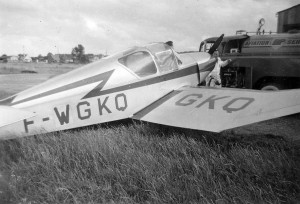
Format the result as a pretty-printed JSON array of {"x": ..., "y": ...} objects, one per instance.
[
  {"x": 146, "y": 61},
  {"x": 164, "y": 57},
  {"x": 140, "y": 62},
  {"x": 205, "y": 46}
]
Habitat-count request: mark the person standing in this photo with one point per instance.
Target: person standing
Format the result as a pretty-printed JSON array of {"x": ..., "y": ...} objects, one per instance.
[{"x": 214, "y": 78}]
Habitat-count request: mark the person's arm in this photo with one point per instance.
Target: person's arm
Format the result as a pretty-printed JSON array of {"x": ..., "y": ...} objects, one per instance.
[{"x": 224, "y": 63}]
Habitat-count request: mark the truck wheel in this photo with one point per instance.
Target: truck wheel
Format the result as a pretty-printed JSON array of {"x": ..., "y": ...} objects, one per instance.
[{"x": 271, "y": 87}]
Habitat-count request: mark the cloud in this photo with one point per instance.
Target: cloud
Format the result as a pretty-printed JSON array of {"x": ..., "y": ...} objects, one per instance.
[{"x": 52, "y": 26}]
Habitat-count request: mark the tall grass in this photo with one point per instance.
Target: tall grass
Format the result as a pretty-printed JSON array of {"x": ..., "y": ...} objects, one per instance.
[{"x": 140, "y": 163}]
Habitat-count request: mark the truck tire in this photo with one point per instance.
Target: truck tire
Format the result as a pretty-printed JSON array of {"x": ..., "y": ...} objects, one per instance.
[{"x": 271, "y": 87}]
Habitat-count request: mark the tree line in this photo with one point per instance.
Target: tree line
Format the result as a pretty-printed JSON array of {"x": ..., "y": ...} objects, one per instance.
[{"x": 77, "y": 55}]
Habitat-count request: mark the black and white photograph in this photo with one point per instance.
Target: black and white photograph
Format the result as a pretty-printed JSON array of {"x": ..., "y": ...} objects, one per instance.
[{"x": 111, "y": 101}]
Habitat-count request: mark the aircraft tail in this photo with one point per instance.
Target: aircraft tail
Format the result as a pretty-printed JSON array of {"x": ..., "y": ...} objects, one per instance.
[{"x": 9, "y": 115}]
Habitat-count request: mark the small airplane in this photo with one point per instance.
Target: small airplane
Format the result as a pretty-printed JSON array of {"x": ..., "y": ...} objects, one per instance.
[{"x": 150, "y": 83}]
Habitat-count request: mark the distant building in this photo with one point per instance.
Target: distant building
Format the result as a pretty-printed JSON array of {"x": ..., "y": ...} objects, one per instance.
[
  {"x": 12, "y": 58},
  {"x": 289, "y": 20},
  {"x": 5, "y": 58},
  {"x": 27, "y": 59}
]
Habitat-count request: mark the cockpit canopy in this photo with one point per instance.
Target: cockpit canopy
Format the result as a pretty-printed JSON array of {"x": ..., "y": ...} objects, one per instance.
[{"x": 152, "y": 59}]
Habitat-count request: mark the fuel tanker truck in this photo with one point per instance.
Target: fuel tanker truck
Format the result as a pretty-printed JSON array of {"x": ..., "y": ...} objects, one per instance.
[{"x": 259, "y": 61}]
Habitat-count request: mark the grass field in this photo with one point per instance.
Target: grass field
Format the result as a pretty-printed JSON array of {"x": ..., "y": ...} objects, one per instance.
[
  {"x": 129, "y": 162},
  {"x": 144, "y": 163},
  {"x": 40, "y": 68},
  {"x": 20, "y": 76}
]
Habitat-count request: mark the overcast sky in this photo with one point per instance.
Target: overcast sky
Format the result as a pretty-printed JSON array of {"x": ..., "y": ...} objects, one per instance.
[{"x": 42, "y": 26}]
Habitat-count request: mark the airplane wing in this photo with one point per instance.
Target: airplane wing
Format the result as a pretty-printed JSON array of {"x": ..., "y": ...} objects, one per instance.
[
  {"x": 218, "y": 109},
  {"x": 11, "y": 115}
]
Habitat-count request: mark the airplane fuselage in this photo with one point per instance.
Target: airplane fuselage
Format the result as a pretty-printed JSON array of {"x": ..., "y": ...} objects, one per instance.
[{"x": 100, "y": 92}]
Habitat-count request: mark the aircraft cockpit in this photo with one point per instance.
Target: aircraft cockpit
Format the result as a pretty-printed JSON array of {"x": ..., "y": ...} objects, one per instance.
[{"x": 153, "y": 59}]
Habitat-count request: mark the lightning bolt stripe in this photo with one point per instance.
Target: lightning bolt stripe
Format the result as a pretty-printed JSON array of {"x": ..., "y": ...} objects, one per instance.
[
  {"x": 155, "y": 105},
  {"x": 103, "y": 77},
  {"x": 172, "y": 75},
  {"x": 208, "y": 66}
]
